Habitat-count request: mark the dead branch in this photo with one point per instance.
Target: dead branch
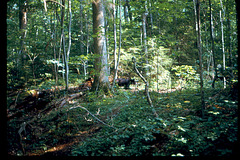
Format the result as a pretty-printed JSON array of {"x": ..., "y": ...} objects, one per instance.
[
  {"x": 92, "y": 115},
  {"x": 146, "y": 87},
  {"x": 65, "y": 100}
]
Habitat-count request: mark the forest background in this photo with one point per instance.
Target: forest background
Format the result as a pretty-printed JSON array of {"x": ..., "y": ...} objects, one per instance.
[{"x": 186, "y": 50}]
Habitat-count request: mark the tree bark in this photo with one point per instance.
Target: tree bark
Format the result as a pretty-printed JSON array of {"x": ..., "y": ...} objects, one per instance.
[
  {"x": 199, "y": 45},
  {"x": 145, "y": 41},
  {"x": 115, "y": 43},
  {"x": 69, "y": 41},
  {"x": 228, "y": 44},
  {"x": 213, "y": 45},
  {"x": 64, "y": 55},
  {"x": 223, "y": 50},
  {"x": 100, "y": 50},
  {"x": 23, "y": 31},
  {"x": 87, "y": 39},
  {"x": 81, "y": 28},
  {"x": 115, "y": 37}
]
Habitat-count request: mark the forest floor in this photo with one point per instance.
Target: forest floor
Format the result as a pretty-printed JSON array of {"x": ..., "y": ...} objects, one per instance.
[{"x": 42, "y": 123}]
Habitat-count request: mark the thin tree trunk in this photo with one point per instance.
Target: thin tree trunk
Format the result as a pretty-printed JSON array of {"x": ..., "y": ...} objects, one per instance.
[
  {"x": 146, "y": 87},
  {"x": 55, "y": 57},
  {"x": 69, "y": 30},
  {"x": 65, "y": 63},
  {"x": 229, "y": 51},
  {"x": 115, "y": 44},
  {"x": 224, "y": 65},
  {"x": 198, "y": 30},
  {"x": 119, "y": 48},
  {"x": 81, "y": 38},
  {"x": 87, "y": 39},
  {"x": 54, "y": 52},
  {"x": 69, "y": 41},
  {"x": 213, "y": 45},
  {"x": 152, "y": 41},
  {"x": 115, "y": 39},
  {"x": 145, "y": 41},
  {"x": 23, "y": 30},
  {"x": 65, "y": 77},
  {"x": 81, "y": 27},
  {"x": 55, "y": 43}
]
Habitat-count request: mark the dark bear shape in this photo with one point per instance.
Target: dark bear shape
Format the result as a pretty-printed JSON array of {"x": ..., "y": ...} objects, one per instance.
[{"x": 125, "y": 82}]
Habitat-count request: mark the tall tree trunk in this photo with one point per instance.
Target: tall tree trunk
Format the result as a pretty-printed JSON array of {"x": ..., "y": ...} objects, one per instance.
[
  {"x": 64, "y": 55},
  {"x": 199, "y": 45},
  {"x": 55, "y": 55},
  {"x": 81, "y": 39},
  {"x": 100, "y": 50},
  {"x": 115, "y": 38},
  {"x": 81, "y": 27},
  {"x": 213, "y": 45},
  {"x": 145, "y": 42},
  {"x": 23, "y": 31},
  {"x": 115, "y": 46},
  {"x": 228, "y": 44},
  {"x": 69, "y": 39},
  {"x": 223, "y": 50},
  {"x": 87, "y": 42}
]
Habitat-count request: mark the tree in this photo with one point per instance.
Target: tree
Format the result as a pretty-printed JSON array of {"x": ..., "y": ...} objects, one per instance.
[
  {"x": 100, "y": 48},
  {"x": 145, "y": 38},
  {"x": 115, "y": 40},
  {"x": 223, "y": 47},
  {"x": 213, "y": 45},
  {"x": 62, "y": 40},
  {"x": 44, "y": 37},
  {"x": 199, "y": 45},
  {"x": 115, "y": 43},
  {"x": 23, "y": 31},
  {"x": 69, "y": 41}
]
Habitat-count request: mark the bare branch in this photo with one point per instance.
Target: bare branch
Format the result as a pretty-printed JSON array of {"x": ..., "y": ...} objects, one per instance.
[
  {"x": 92, "y": 115},
  {"x": 146, "y": 87}
]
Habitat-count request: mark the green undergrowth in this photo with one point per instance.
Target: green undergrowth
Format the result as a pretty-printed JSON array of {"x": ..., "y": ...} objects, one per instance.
[
  {"x": 178, "y": 131},
  {"x": 128, "y": 127}
]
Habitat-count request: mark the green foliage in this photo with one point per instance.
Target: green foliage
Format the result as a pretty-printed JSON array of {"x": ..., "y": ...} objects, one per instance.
[
  {"x": 178, "y": 131},
  {"x": 185, "y": 72},
  {"x": 185, "y": 75},
  {"x": 172, "y": 60}
]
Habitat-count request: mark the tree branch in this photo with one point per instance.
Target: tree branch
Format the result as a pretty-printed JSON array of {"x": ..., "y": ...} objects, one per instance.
[
  {"x": 92, "y": 115},
  {"x": 146, "y": 87}
]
